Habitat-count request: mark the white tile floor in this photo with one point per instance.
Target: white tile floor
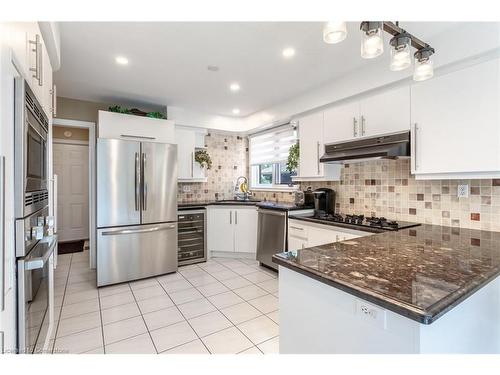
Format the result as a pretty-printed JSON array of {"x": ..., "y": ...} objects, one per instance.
[{"x": 221, "y": 306}]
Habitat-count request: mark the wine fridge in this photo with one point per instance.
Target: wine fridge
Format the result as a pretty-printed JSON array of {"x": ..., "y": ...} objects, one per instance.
[{"x": 192, "y": 238}]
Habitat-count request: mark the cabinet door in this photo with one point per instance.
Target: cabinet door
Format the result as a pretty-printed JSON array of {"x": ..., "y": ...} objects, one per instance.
[
  {"x": 311, "y": 145},
  {"x": 220, "y": 229},
  {"x": 245, "y": 229},
  {"x": 456, "y": 121},
  {"x": 185, "y": 140},
  {"x": 296, "y": 243},
  {"x": 387, "y": 112},
  {"x": 341, "y": 122},
  {"x": 319, "y": 236}
]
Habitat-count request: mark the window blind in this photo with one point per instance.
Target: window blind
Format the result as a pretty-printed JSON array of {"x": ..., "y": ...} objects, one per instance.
[{"x": 272, "y": 146}]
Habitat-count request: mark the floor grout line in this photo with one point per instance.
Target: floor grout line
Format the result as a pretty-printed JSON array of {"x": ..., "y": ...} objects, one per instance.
[
  {"x": 187, "y": 321},
  {"x": 144, "y": 320},
  {"x": 197, "y": 288}
]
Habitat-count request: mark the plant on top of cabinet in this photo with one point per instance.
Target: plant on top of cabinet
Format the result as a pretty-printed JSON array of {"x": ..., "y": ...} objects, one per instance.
[
  {"x": 137, "y": 112},
  {"x": 203, "y": 158},
  {"x": 293, "y": 158}
]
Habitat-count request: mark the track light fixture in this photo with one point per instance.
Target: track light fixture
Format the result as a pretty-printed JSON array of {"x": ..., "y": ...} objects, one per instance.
[{"x": 372, "y": 45}]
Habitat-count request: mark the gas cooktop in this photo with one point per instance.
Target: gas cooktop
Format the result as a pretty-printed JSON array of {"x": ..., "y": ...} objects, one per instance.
[{"x": 362, "y": 221}]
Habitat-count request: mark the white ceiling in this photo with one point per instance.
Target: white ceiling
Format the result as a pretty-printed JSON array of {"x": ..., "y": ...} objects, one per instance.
[{"x": 168, "y": 62}]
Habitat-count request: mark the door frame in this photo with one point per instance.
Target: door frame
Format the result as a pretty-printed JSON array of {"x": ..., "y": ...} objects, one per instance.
[{"x": 91, "y": 126}]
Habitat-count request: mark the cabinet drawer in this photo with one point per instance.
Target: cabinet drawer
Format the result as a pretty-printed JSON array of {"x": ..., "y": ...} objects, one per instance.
[{"x": 297, "y": 230}]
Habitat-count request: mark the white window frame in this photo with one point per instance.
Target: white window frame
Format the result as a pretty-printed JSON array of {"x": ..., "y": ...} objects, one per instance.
[{"x": 254, "y": 177}]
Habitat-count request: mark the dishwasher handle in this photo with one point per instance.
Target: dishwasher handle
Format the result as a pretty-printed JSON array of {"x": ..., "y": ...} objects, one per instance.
[{"x": 271, "y": 212}]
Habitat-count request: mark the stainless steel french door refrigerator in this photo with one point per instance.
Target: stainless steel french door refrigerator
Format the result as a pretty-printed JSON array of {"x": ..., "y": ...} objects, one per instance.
[{"x": 136, "y": 210}]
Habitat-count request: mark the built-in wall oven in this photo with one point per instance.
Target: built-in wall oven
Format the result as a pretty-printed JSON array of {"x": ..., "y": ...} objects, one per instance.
[
  {"x": 30, "y": 147},
  {"x": 192, "y": 236},
  {"x": 34, "y": 241}
]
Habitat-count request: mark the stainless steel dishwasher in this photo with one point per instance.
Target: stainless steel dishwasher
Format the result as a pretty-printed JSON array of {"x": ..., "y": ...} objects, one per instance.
[{"x": 271, "y": 235}]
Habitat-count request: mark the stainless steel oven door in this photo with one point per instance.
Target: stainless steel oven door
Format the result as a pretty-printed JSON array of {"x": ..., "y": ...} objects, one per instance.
[
  {"x": 36, "y": 155},
  {"x": 35, "y": 285}
]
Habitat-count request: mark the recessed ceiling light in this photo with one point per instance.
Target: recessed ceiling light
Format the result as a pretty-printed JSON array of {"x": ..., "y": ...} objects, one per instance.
[
  {"x": 234, "y": 87},
  {"x": 288, "y": 52},
  {"x": 121, "y": 60},
  {"x": 236, "y": 111}
]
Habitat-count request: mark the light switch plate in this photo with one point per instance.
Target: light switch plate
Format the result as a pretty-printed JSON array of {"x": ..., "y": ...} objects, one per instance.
[{"x": 463, "y": 191}]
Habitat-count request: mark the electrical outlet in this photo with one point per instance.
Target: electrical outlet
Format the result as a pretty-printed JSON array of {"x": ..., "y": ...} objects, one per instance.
[
  {"x": 186, "y": 188},
  {"x": 463, "y": 191},
  {"x": 371, "y": 314}
]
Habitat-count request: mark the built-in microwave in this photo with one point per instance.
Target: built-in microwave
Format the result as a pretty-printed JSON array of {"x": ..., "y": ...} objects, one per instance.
[{"x": 31, "y": 131}]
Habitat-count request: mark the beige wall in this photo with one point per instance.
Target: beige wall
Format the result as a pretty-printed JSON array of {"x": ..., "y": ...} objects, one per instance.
[
  {"x": 77, "y": 134},
  {"x": 83, "y": 110}
]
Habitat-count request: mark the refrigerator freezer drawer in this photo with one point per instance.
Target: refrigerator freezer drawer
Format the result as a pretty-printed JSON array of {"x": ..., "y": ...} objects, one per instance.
[{"x": 135, "y": 252}]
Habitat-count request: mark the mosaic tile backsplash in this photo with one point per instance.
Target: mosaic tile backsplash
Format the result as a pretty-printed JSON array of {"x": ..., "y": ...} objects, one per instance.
[
  {"x": 386, "y": 188},
  {"x": 229, "y": 161},
  {"x": 380, "y": 187}
]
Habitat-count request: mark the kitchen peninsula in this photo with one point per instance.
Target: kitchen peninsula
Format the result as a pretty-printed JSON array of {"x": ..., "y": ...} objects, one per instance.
[{"x": 428, "y": 289}]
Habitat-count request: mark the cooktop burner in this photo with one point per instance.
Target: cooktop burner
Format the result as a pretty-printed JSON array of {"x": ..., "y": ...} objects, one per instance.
[{"x": 362, "y": 221}]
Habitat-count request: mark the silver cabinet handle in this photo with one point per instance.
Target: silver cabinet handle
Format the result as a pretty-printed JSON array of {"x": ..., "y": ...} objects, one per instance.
[
  {"x": 236, "y": 217},
  {"x": 317, "y": 153},
  {"x": 134, "y": 231},
  {"x": 40, "y": 64},
  {"x": 355, "y": 126},
  {"x": 414, "y": 147},
  {"x": 137, "y": 182},
  {"x": 363, "y": 122},
  {"x": 2, "y": 233},
  {"x": 192, "y": 164},
  {"x": 296, "y": 228},
  {"x": 38, "y": 59},
  {"x": 230, "y": 217},
  {"x": 54, "y": 100},
  {"x": 144, "y": 184},
  {"x": 135, "y": 136}
]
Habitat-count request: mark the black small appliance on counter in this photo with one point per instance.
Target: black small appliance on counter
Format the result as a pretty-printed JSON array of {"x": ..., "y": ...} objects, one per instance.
[{"x": 324, "y": 202}]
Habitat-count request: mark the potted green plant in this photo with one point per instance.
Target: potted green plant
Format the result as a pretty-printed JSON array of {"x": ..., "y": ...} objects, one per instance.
[
  {"x": 293, "y": 158},
  {"x": 203, "y": 159}
]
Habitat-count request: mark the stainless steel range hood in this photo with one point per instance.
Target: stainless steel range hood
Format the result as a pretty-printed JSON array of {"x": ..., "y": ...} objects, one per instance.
[{"x": 389, "y": 146}]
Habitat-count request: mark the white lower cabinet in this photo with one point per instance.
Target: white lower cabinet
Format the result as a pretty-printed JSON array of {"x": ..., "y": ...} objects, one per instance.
[
  {"x": 232, "y": 229},
  {"x": 303, "y": 234}
]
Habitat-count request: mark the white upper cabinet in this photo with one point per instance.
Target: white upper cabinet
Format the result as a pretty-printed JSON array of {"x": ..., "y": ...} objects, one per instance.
[
  {"x": 138, "y": 128},
  {"x": 188, "y": 141},
  {"x": 312, "y": 147},
  {"x": 341, "y": 123},
  {"x": 456, "y": 124},
  {"x": 387, "y": 112}
]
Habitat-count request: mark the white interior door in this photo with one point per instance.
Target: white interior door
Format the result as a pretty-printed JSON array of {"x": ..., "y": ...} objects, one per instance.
[{"x": 71, "y": 164}]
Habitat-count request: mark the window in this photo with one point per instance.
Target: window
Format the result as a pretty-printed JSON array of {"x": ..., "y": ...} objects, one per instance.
[{"x": 268, "y": 156}]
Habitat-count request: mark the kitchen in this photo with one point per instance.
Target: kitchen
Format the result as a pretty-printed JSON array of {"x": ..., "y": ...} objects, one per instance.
[{"x": 356, "y": 212}]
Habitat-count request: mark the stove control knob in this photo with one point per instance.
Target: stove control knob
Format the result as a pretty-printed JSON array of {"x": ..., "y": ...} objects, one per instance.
[{"x": 37, "y": 232}]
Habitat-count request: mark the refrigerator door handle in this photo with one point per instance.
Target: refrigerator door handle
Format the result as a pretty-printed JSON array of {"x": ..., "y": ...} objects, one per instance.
[
  {"x": 137, "y": 182},
  {"x": 134, "y": 231},
  {"x": 144, "y": 184}
]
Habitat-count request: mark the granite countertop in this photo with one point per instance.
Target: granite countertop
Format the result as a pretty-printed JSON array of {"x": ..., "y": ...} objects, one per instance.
[
  {"x": 420, "y": 272},
  {"x": 228, "y": 202},
  {"x": 282, "y": 206}
]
